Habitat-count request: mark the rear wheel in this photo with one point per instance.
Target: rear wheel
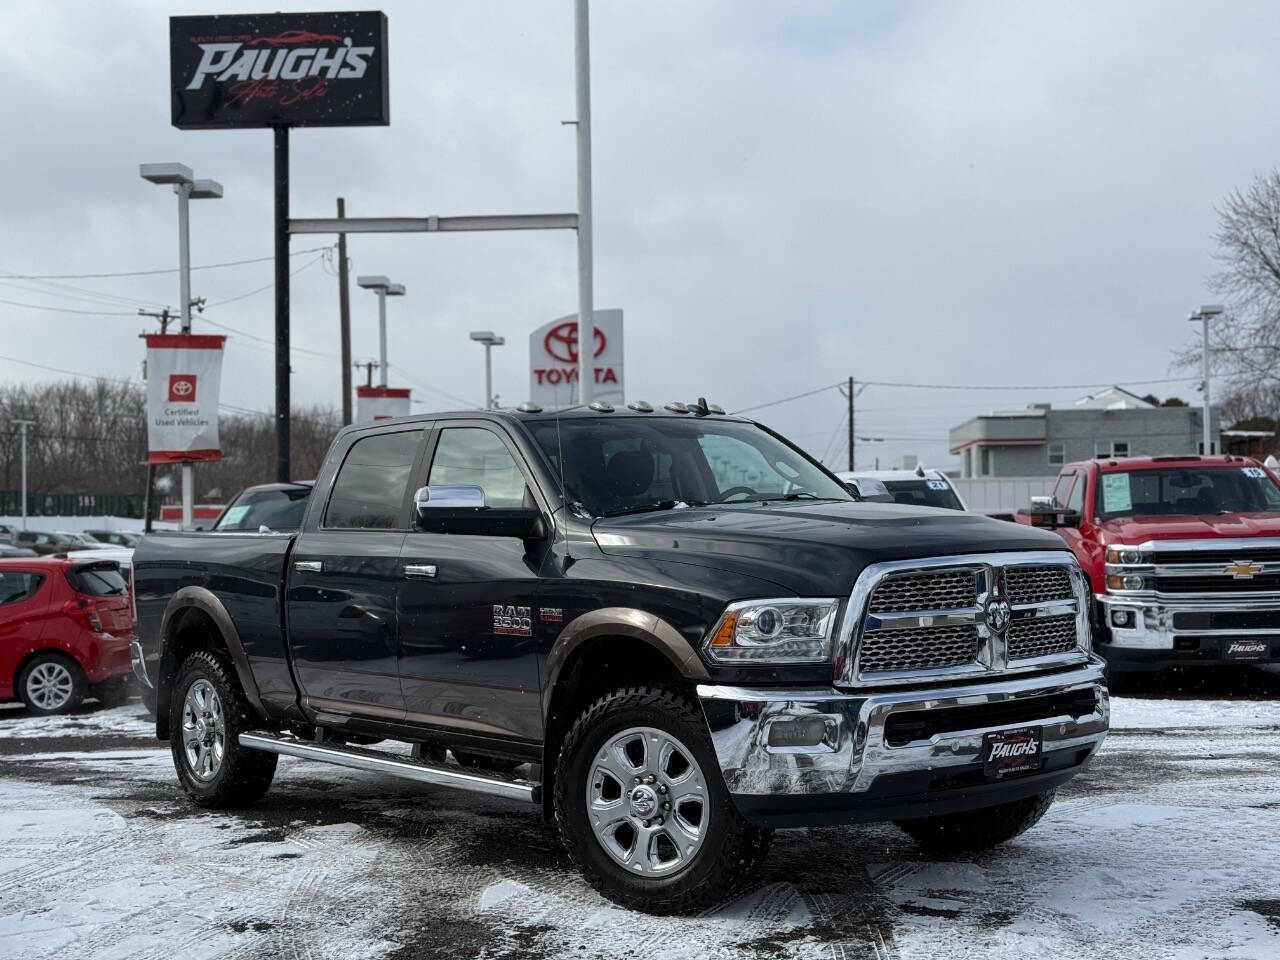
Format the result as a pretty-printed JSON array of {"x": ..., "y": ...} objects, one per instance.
[
  {"x": 207, "y": 714},
  {"x": 643, "y": 809},
  {"x": 51, "y": 683},
  {"x": 978, "y": 829}
]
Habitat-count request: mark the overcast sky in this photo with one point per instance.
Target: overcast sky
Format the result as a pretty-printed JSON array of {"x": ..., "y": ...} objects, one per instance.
[{"x": 785, "y": 195}]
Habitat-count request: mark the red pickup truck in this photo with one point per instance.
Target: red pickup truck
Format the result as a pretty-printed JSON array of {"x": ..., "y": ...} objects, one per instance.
[{"x": 1182, "y": 555}]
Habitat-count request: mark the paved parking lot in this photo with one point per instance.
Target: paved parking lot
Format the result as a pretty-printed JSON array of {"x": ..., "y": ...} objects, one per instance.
[{"x": 1165, "y": 848}]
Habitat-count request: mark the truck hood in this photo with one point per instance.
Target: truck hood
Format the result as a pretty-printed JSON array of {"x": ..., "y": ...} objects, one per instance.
[
  {"x": 812, "y": 549},
  {"x": 1135, "y": 530}
]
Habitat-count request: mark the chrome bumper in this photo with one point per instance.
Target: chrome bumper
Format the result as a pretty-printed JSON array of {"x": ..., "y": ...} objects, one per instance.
[
  {"x": 139, "y": 663},
  {"x": 854, "y": 753},
  {"x": 1154, "y": 624}
]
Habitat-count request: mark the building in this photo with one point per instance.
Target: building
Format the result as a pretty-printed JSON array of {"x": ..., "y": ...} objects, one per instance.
[{"x": 1038, "y": 440}]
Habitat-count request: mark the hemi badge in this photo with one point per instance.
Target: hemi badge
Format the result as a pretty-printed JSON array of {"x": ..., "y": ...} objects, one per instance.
[{"x": 1243, "y": 569}]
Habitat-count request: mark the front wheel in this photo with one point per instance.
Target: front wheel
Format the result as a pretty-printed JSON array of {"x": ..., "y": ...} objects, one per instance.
[
  {"x": 978, "y": 829},
  {"x": 207, "y": 714},
  {"x": 51, "y": 683},
  {"x": 643, "y": 809}
]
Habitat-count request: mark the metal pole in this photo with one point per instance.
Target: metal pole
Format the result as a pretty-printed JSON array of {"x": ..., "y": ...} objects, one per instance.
[
  {"x": 24, "y": 424},
  {"x": 1208, "y": 434},
  {"x": 146, "y": 499},
  {"x": 344, "y": 317},
  {"x": 382, "y": 337},
  {"x": 586, "y": 309},
  {"x": 851, "y": 424},
  {"x": 488, "y": 379},
  {"x": 282, "y": 302},
  {"x": 183, "y": 191}
]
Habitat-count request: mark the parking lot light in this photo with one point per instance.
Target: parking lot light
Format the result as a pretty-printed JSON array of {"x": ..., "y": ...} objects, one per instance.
[
  {"x": 383, "y": 288},
  {"x": 1202, "y": 315},
  {"x": 490, "y": 340}
]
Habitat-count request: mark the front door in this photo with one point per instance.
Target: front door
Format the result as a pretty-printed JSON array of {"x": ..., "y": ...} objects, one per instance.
[
  {"x": 342, "y": 581},
  {"x": 468, "y": 603}
]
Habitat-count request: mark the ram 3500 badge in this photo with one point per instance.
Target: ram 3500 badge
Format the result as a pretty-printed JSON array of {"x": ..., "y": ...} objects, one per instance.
[{"x": 673, "y": 631}]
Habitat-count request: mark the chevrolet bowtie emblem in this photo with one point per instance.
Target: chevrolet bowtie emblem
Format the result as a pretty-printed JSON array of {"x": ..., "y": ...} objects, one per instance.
[{"x": 1243, "y": 569}]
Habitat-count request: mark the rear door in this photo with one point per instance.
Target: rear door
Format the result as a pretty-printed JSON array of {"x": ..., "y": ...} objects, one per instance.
[
  {"x": 468, "y": 603},
  {"x": 343, "y": 575}
]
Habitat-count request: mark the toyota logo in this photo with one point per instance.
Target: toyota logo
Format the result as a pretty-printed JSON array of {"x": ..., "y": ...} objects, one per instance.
[
  {"x": 182, "y": 388},
  {"x": 561, "y": 342},
  {"x": 999, "y": 613}
]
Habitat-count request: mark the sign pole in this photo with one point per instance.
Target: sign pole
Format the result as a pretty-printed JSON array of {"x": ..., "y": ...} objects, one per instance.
[
  {"x": 183, "y": 190},
  {"x": 382, "y": 337},
  {"x": 344, "y": 315},
  {"x": 281, "y": 134},
  {"x": 586, "y": 312},
  {"x": 23, "y": 424}
]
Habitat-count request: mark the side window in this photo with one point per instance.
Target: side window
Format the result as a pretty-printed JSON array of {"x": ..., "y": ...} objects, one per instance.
[
  {"x": 1057, "y": 454},
  {"x": 1062, "y": 489},
  {"x": 371, "y": 483},
  {"x": 1120, "y": 448},
  {"x": 476, "y": 456},
  {"x": 1076, "y": 500},
  {"x": 17, "y": 587}
]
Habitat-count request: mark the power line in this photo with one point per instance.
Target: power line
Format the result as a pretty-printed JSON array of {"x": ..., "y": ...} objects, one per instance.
[
  {"x": 444, "y": 393},
  {"x": 90, "y": 313},
  {"x": 798, "y": 396},
  {"x": 147, "y": 273}
]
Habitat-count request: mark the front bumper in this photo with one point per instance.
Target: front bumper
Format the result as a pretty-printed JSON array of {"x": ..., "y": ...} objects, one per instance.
[
  {"x": 139, "y": 664},
  {"x": 1167, "y": 632},
  {"x": 901, "y": 753}
]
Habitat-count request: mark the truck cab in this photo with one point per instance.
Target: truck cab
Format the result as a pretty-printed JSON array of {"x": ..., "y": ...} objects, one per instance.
[{"x": 1182, "y": 555}]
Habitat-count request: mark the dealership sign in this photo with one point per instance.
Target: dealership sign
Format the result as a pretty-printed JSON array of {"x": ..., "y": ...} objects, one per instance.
[
  {"x": 184, "y": 374},
  {"x": 279, "y": 69},
  {"x": 553, "y": 360},
  {"x": 381, "y": 403}
]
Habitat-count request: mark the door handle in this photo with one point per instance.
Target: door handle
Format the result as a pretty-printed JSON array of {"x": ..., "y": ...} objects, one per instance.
[
  {"x": 308, "y": 566},
  {"x": 420, "y": 571}
]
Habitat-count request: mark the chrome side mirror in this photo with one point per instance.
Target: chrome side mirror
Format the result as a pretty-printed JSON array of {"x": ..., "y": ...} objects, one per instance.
[{"x": 449, "y": 496}]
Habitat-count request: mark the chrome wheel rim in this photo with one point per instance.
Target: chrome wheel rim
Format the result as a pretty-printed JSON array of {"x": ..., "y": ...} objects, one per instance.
[
  {"x": 204, "y": 730},
  {"x": 49, "y": 685},
  {"x": 647, "y": 802}
]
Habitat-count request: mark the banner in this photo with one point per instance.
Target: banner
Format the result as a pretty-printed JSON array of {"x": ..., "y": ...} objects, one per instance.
[
  {"x": 184, "y": 374},
  {"x": 553, "y": 361},
  {"x": 279, "y": 69},
  {"x": 381, "y": 403}
]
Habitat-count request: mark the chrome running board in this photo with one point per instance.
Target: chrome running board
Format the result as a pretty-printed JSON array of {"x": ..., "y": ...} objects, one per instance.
[{"x": 361, "y": 758}]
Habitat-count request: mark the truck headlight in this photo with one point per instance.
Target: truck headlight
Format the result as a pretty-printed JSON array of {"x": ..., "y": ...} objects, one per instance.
[
  {"x": 1128, "y": 581},
  {"x": 1125, "y": 555},
  {"x": 789, "y": 630}
]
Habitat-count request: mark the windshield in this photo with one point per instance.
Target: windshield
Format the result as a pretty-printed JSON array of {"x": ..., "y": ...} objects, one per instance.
[
  {"x": 278, "y": 509},
  {"x": 1194, "y": 491},
  {"x": 924, "y": 493},
  {"x": 627, "y": 464}
]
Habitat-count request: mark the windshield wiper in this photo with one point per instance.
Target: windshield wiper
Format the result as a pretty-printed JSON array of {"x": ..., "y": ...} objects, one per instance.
[
  {"x": 655, "y": 506},
  {"x": 797, "y": 495}
]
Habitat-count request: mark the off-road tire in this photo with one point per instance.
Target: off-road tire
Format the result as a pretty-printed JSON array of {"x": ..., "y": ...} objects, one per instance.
[
  {"x": 72, "y": 669},
  {"x": 978, "y": 829},
  {"x": 731, "y": 848},
  {"x": 243, "y": 775},
  {"x": 114, "y": 691}
]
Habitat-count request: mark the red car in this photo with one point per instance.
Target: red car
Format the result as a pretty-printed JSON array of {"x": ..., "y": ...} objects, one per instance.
[{"x": 65, "y": 628}]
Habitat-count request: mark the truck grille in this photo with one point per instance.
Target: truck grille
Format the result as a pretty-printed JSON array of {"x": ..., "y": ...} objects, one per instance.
[
  {"x": 1264, "y": 583},
  {"x": 923, "y": 649},
  {"x": 1041, "y": 636},
  {"x": 978, "y": 615}
]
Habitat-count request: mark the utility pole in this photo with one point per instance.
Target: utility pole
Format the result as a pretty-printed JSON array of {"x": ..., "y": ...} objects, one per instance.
[
  {"x": 851, "y": 436},
  {"x": 165, "y": 316},
  {"x": 344, "y": 315},
  {"x": 368, "y": 366},
  {"x": 586, "y": 308},
  {"x": 23, "y": 424}
]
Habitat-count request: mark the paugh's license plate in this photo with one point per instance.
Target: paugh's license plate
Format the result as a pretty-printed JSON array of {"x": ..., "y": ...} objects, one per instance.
[{"x": 1009, "y": 752}]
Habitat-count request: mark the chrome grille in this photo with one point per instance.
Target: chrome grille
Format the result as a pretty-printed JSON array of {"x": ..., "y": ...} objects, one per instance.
[
  {"x": 1041, "y": 636},
  {"x": 941, "y": 590},
  {"x": 925, "y": 648},
  {"x": 1037, "y": 584}
]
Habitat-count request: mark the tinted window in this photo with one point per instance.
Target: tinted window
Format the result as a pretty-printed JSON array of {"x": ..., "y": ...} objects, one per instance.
[
  {"x": 474, "y": 456},
  {"x": 273, "y": 509},
  {"x": 924, "y": 493},
  {"x": 101, "y": 580},
  {"x": 1062, "y": 489},
  {"x": 370, "y": 488},
  {"x": 16, "y": 587},
  {"x": 1187, "y": 491}
]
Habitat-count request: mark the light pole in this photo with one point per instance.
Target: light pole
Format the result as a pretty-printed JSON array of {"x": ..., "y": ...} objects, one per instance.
[
  {"x": 489, "y": 339},
  {"x": 187, "y": 188},
  {"x": 1203, "y": 315},
  {"x": 383, "y": 288},
  {"x": 586, "y": 305},
  {"x": 24, "y": 424}
]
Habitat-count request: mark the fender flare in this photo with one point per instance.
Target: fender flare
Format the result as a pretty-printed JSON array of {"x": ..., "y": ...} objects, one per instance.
[
  {"x": 207, "y": 602},
  {"x": 621, "y": 622}
]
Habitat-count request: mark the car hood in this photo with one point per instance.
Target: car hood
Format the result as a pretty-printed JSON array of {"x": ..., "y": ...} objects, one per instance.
[
  {"x": 1134, "y": 530},
  {"x": 813, "y": 549}
]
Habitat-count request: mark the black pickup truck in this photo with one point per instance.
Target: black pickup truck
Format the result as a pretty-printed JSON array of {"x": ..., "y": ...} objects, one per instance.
[{"x": 671, "y": 629}]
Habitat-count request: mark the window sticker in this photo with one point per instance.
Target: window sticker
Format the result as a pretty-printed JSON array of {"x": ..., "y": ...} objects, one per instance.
[
  {"x": 937, "y": 484},
  {"x": 1256, "y": 472},
  {"x": 235, "y": 515},
  {"x": 1115, "y": 493}
]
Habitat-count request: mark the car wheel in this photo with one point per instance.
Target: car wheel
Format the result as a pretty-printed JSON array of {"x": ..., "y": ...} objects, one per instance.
[
  {"x": 207, "y": 714},
  {"x": 642, "y": 806},
  {"x": 978, "y": 829},
  {"x": 51, "y": 683}
]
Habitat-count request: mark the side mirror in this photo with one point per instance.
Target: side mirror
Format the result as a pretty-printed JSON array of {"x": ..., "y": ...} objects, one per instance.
[
  {"x": 869, "y": 490},
  {"x": 460, "y": 509},
  {"x": 1047, "y": 514}
]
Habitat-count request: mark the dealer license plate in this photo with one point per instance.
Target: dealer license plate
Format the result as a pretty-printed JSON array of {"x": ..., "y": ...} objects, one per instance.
[
  {"x": 1009, "y": 752},
  {"x": 1246, "y": 648}
]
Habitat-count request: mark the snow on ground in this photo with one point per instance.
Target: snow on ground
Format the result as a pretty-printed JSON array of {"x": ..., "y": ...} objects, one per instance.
[{"x": 1164, "y": 848}]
